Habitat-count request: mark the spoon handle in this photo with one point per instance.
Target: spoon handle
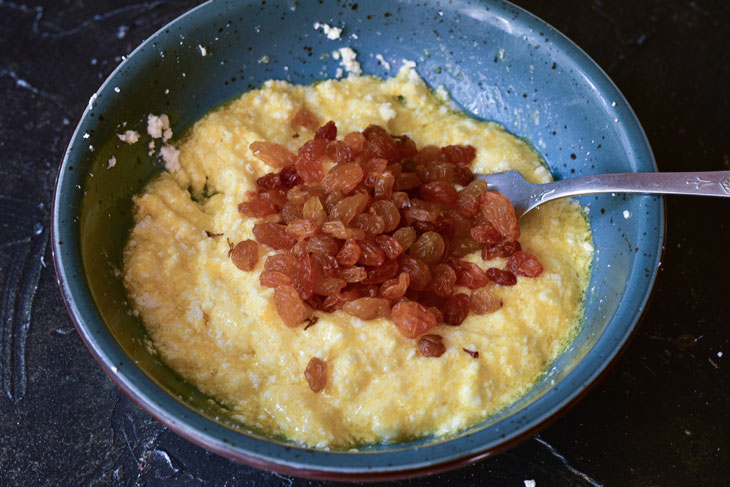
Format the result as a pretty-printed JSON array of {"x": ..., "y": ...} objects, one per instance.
[{"x": 712, "y": 183}]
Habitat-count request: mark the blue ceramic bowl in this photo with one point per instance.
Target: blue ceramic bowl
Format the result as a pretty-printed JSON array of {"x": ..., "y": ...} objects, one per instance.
[{"x": 499, "y": 62}]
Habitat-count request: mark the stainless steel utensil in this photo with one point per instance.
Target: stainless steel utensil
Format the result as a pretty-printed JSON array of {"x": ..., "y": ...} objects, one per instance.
[{"x": 525, "y": 195}]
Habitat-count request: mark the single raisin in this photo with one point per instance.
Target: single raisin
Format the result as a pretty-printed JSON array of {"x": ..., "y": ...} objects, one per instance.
[
  {"x": 323, "y": 244},
  {"x": 327, "y": 131},
  {"x": 395, "y": 288},
  {"x": 290, "y": 306},
  {"x": 347, "y": 208},
  {"x": 484, "y": 301},
  {"x": 258, "y": 208},
  {"x": 316, "y": 374},
  {"x": 524, "y": 263},
  {"x": 461, "y": 155},
  {"x": 456, "y": 308},
  {"x": 245, "y": 255},
  {"x": 370, "y": 253},
  {"x": 439, "y": 192},
  {"x": 431, "y": 345},
  {"x": 304, "y": 277},
  {"x": 505, "y": 278},
  {"x": 352, "y": 274},
  {"x": 301, "y": 229},
  {"x": 503, "y": 249},
  {"x": 406, "y": 236},
  {"x": 367, "y": 308},
  {"x": 369, "y": 223},
  {"x": 418, "y": 270},
  {"x": 305, "y": 118},
  {"x": 381, "y": 273},
  {"x": 469, "y": 274},
  {"x": 284, "y": 263},
  {"x": 274, "y": 279},
  {"x": 343, "y": 177},
  {"x": 388, "y": 212},
  {"x": 429, "y": 248},
  {"x": 275, "y": 155},
  {"x": 349, "y": 253},
  {"x": 412, "y": 319},
  {"x": 313, "y": 210},
  {"x": 498, "y": 211},
  {"x": 309, "y": 160},
  {"x": 274, "y": 235},
  {"x": 443, "y": 279},
  {"x": 390, "y": 245},
  {"x": 486, "y": 234},
  {"x": 356, "y": 142}
]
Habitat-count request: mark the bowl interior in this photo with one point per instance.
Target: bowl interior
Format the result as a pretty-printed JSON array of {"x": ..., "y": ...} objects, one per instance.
[{"x": 498, "y": 62}]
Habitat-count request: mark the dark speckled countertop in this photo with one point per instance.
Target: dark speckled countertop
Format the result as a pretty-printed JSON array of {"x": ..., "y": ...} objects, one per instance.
[{"x": 660, "y": 417}]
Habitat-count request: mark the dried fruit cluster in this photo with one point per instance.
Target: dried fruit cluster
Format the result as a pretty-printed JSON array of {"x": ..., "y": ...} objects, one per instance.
[{"x": 382, "y": 233}]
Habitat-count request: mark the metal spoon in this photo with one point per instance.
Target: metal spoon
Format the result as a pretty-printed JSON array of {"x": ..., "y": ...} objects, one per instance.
[{"x": 525, "y": 195}]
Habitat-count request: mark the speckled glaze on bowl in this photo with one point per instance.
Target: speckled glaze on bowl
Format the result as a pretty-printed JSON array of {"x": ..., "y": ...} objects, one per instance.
[{"x": 499, "y": 63}]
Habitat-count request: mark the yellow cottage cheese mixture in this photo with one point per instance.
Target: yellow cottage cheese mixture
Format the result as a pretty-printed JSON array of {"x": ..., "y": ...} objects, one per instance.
[{"x": 218, "y": 327}]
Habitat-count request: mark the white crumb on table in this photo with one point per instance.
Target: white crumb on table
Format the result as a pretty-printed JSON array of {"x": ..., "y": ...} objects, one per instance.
[
  {"x": 111, "y": 162},
  {"x": 203, "y": 50},
  {"x": 530, "y": 483},
  {"x": 627, "y": 214}
]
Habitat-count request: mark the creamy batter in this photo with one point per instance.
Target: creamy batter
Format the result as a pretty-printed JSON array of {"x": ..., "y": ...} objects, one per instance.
[{"x": 218, "y": 327}]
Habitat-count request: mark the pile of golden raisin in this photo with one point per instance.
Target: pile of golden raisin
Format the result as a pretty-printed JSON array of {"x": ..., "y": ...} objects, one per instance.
[{"x": 382, "y": 233}]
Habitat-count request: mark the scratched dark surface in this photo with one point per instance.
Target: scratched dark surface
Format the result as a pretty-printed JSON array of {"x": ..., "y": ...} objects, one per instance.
[{"x": 660, "y": 417}]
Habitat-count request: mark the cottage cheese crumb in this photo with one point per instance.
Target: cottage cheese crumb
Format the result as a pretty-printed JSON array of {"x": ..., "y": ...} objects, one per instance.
[
  {"x": 627, "y": 214},
  {"x": 530, "y": 483},
  {"x": 170, "y": 156},
  {"x": 348, "y": 60},
  {"x": 387, "y": 112},
  {"x": 203, "y": 50},
  {"x": 264, "y": 60},
  {"x": 111, "y": 163},
  {"x": 130, "y": 136},
  {"x": 331, "y": 32},
  {"x": 382, "y": 60},
  {"x": 157, "y": 125},
  {"x": 92, "y": 100}
]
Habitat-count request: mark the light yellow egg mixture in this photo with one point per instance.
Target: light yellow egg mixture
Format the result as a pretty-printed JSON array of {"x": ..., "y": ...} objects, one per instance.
[{"x": 218, "y": 327}]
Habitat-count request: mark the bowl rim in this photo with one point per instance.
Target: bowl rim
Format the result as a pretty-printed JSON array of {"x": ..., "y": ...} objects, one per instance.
[{"x": 218, "y": 438}]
